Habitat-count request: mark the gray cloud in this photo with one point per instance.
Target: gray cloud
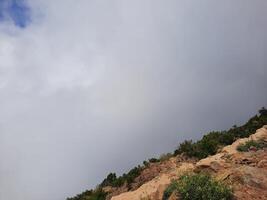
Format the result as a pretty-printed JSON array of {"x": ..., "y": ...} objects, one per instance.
[{"x": 91, "y": 87}]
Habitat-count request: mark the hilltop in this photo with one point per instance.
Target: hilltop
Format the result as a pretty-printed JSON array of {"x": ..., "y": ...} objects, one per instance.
[{"x": 228, "y": 164}]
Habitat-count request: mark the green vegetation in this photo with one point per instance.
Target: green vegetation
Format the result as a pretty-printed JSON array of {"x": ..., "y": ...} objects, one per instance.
[
  {"x": 252, "y": 144},
  {"x": 97, "y": 194},
  {"x": 110, "y": 180},
  {"x": 169, "y": 190},
  {"x": 128, "y": 178},
  {"x": 198, "y": 187},
  {"x": 153, "y": 160},
  {"x": 145, "y": 163},
  {"x": 211, "y": 142},
  {"x": 263, "y": 111},
  {"x": 208, "y": 145}
]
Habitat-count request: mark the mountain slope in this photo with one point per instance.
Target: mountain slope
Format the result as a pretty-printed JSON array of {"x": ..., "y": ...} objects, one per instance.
[
  {"x": 149, "y": 180},
  {"x": 246, "y": 171}
]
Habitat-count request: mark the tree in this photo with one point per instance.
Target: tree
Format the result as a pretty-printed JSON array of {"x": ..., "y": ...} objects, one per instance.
[
  {"x": 109, "y": 180},
  {"x": 263, "y": 111}
]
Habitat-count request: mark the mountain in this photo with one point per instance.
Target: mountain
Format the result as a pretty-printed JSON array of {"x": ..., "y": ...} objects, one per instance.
[{"x": 228, "y": 164}]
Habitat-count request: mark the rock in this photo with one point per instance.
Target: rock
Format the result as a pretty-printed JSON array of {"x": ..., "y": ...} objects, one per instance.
[
  {"x": 252, "y": 148},
  {"x": 262, "y": 164},
  {"x": 251, "y": 176},
  {"x": 215, "y": 163},
  {"x": 224, "y": 175},
  {"x": 261, "y": 134}
]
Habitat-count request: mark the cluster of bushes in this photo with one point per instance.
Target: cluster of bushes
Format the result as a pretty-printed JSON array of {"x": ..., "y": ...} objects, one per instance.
[
  {"x": 114, "y": 181},
  {"x": 249, "y": 144},
  {"x": 97, "y": 194},
  {"x": 162, "y": 158},
  {"x": 153, "y": 160},
  {"x": 198, "y": 187},
  {"x": 211, "y": 142}
]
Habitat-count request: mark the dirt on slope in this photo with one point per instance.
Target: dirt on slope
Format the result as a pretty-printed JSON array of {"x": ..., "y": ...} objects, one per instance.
[{"x": 246, "y": 172}]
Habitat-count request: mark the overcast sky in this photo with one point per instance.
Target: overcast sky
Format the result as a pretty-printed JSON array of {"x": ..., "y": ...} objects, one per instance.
[{"x": 92, "y": 87}]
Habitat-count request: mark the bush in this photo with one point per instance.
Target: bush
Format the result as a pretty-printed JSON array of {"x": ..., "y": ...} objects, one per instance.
[
  {"x": 114, "y": 181},
  {"x": 132, "y": 174},
  {"x": 256, "y": 144},
  {"x": 186, "y": 147},
  {"x": 198, "y": 187},
  {"x": 208, "y": 145},
  {"x": 263, "y": 111},
  {"x": 111, "y": 178},
  {"x": 98, "y": 194},
  {"x": 169, "y": 190},
  {"x": 153, "y": 160},
  {"x": 145, "y": 163}
]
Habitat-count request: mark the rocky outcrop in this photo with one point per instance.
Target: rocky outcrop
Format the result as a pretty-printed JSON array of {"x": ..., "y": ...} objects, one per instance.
[{"x": 246, "y": 172}]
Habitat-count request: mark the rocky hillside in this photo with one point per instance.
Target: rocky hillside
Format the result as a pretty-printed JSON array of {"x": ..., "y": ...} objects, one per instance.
[
  {"x": 236, "y": 158},
  {"x": 245, "y": 171}
]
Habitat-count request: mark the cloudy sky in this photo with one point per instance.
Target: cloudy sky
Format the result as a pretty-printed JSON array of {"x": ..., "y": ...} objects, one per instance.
[{"x": 90, "y": 87}]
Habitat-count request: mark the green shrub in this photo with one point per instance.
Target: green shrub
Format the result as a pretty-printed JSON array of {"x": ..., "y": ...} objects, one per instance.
[
  {"x": 153, "y": 160},
  {"x": 97, "y": 194},
  {"x": 111, "y": 178},
  {"x": 169, "y": 190},
  {"x": 263, "y": 111},
  {"x": 145, "y": 163},
  {"x": 198, "y": 187},
  {"x": 256, "y": 144},
  {"x": 186, "y": 147},
  {"x": 132, "y": 174}
]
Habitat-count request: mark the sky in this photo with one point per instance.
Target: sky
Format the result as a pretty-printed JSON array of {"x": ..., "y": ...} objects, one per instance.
[
  {"x": 92, "y": 87},
  {"x": 15, "y": 10}
]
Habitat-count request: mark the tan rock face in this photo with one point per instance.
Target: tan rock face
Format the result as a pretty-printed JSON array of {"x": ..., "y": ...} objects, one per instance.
[{"x": 214, "y": 163}]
